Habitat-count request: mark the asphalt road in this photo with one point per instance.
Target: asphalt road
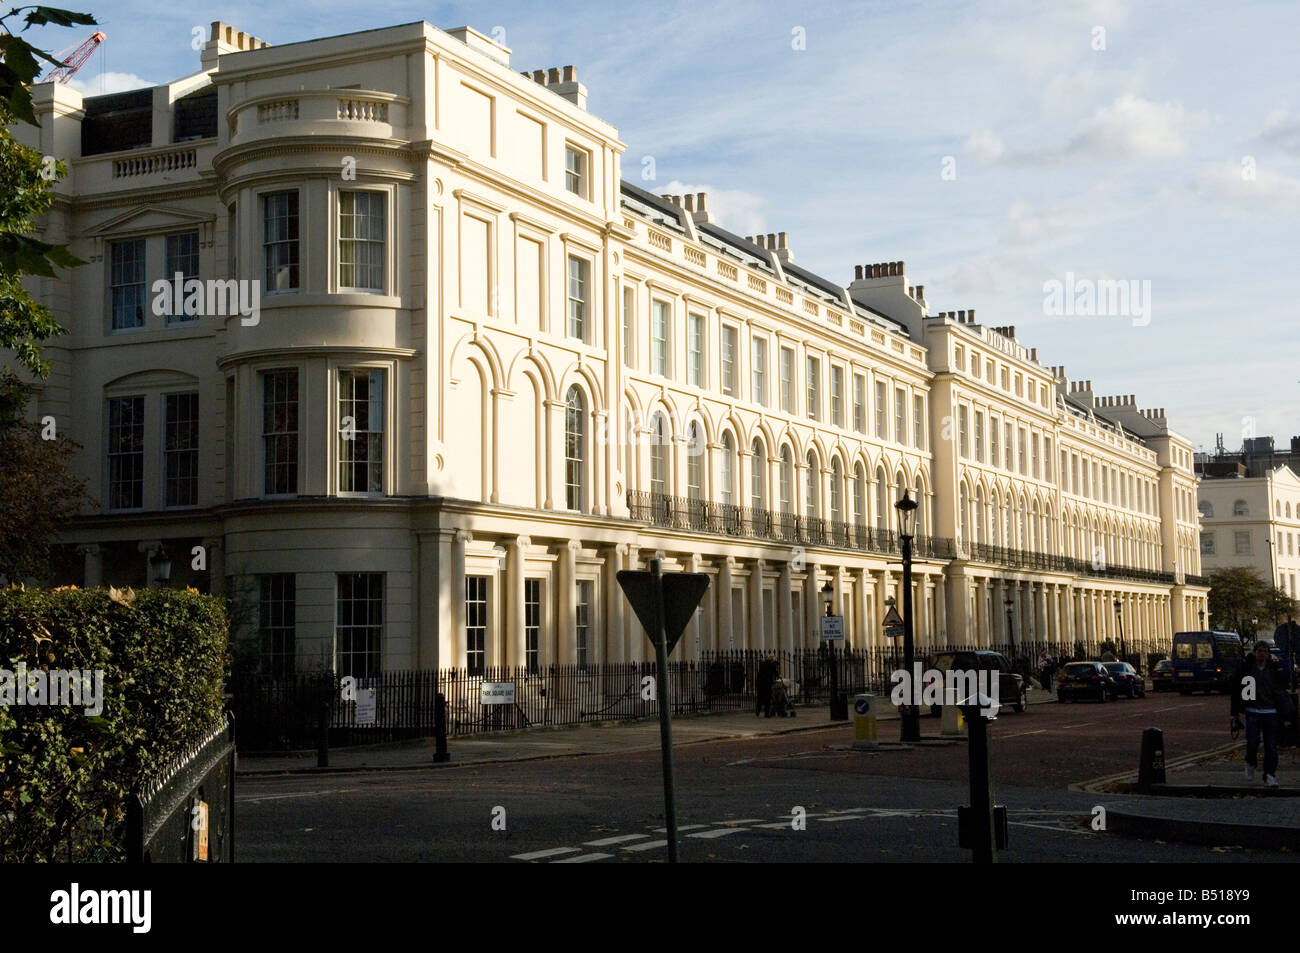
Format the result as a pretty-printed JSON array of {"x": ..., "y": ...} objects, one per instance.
[{"x": 738, "y": 800}]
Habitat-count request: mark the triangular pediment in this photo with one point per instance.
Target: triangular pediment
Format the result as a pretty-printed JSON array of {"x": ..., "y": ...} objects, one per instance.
[{"x": 149, "y": 219}]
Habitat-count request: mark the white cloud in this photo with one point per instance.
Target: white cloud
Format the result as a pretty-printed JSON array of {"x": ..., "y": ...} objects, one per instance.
[
  {"x": 985, "y": 146},
  {"x": 1282, "y": 129},
  {"x": 733, "y": 209},
  {"x": 106, "y": 83},
  {"x": 1135, "y": 128},
  {"x": 1023, "y": 224},
  {"x": 1248, "y": 187}
]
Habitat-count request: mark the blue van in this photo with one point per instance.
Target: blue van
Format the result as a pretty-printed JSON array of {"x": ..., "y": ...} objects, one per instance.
[{"x": 1205, "y": 661}]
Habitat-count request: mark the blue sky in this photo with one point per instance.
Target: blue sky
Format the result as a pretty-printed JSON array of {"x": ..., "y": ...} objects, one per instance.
[{"x": 1151, "y": 142}]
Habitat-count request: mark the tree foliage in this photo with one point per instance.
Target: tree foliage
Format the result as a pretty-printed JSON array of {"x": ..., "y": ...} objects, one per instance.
[
  {"x": 1239, "y": 596},
  {"x": 25, "y": 195},
  {"x": 37, "y": 492}
]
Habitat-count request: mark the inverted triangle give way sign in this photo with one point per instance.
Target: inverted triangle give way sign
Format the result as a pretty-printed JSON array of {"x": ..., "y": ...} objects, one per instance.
[{"x": 682, "y": 592}]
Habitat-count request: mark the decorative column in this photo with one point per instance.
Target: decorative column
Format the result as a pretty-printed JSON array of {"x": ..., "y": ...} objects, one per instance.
[
  {"x": 93, "y": 561},
  {"x": 457, "y": 596},
  {"x": 941, "y": 608},
  {"x": 726, "y": 640},
  {"x": 567, "y": 600},
  {"x": 516, "y": 636},
  {"x": 757, "y": 637},
  {"x": 1040, "y": 615},
  {"x": 812, "y": 602},
  {"x": 783, "y": 637},
  {"x": 615, "y": 626},
  {"x": 868, "y": 631}
]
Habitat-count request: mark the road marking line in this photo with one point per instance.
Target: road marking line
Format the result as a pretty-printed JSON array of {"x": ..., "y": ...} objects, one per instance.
[
  {"x": 680, "y": 828},
  {"x": 832, "y": 820},
  {"x": 1023, "y": 733},
  {"x": 1170, "y": 708},
  {"x": 783, "y": 826},
  {"x": 648, "y": 845},
  {"x": 720, "y": 832},
  {"x": 607, "y": 841},
  {"x": 549, "y": 852},
  {"x": 582, "y": 858},
  {"x": 739, "y": 820},
  {"x": 281, "y": 797},
  {"x": 1082, "y": 724}
]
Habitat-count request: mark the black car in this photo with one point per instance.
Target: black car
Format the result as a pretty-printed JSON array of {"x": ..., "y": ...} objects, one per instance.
[
  {"x": 1011, "y": 687},
  {"x": 1162, "y": 676},
  {"x": 1127, "y": 681},
  {"x": 1085, "y": 680}
]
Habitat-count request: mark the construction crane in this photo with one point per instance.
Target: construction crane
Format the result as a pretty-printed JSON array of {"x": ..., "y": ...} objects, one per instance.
[{"x": 73, "y": 58}]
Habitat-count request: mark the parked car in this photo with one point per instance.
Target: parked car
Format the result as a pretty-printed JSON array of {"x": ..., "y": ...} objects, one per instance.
[
  {"x": 1011, "y": 687},
  {"x": 1085, "y": 680},
  {"x": 1162, "y": 676},
  {"x": 1127, "y": 680}
]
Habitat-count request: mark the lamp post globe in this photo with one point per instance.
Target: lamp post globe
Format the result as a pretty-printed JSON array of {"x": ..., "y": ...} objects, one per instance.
[
  {"x": 911, "y": 722},
  {"x": 162, "y": 565}
]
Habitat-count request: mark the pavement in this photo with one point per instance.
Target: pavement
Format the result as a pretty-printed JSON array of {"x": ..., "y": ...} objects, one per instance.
[{"x": 1204, "y": 800}]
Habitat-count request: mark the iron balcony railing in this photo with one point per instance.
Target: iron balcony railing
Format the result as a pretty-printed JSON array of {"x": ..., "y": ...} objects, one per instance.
[{"x": 725, "y": 519}]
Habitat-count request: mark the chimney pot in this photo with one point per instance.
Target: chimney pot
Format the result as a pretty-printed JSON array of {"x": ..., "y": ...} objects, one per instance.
[
  {"x": 963, "y": 316},
  {"x": 857, "y": 272},
  {"x": 539, "y": 76},
  {"x": 570, "y": 74},
  {"x": 781, "y": 240},
  {"x": 690, "y": 203},
  {"x": 971, "y": 312},
  {"x": 771, "y": 240},
  {"x": 920, "y": 292},
  {"x": 552, "y": 75},
  {"x": 701, "y": 201}
]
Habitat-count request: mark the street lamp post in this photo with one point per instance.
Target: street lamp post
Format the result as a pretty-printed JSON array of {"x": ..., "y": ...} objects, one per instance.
[
  {"x": 1201, "y": 613},
  {"x": 830, "y": 650},
  {"x": 1011, "y": 628},
  {"x": 1123, "y": 646},
  {"x": 162, "y": 565},
  {"x": 906, "y": 507}
]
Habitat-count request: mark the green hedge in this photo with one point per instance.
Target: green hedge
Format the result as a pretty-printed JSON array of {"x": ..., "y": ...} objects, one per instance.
[{"x": 65, "y": 776}]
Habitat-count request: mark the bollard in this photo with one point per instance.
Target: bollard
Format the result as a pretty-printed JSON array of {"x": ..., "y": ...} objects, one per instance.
[
  {"x": 1151, "y": 765},
  {"x": 323, "y": 735},
  {"x": 951, "y": 722},
  {"x": 979, "y": 825},
  {"x": 864, "y": 723},
  {"x": 440, "y": 754}
]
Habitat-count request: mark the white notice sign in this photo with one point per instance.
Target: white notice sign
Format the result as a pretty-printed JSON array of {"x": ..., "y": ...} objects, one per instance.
[
  {"x": 365, "y": 706},
  {"x": 832, "y": 628},
  {"x": 498, "y": 693}
]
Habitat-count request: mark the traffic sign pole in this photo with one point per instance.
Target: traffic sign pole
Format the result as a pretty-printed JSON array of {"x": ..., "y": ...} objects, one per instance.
[{"x": 665, "y": 720}]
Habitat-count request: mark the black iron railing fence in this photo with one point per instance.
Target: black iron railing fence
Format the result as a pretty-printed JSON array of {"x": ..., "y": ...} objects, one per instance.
[
  {"x": 277, "y": 714},
  {"x": 704, "y": 516}
]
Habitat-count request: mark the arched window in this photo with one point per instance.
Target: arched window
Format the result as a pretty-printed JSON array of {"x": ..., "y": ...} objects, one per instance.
[
  {"x": 1024, "y": 523},
  {"x": 837, "y": 492},
  {"x": 859, "y": 496},
  {"x": 979, "y": 514},
  {"x": 1239, "y": 508},
  {"x": 757, "y": 481},
  {"x": 996, "y": 519},
  {"x": 1288, "y": 511},
  {"x": 963, "y": 515},
  {"x": 659, "y": 455},
  {"x": 882, "y": 491},
  {"x": 694, "y": 463},
  {"x": 726, "y": 492},
  {"x": 919, "y": 520},
  {"x": 1207, "y": 510},
  {"x": 575, "y": 450},
  {"x": 787, "y": 481},
  {"x": 629, "y": 448},
  {"x": 810, "y": 487},
  {"x": 1036, "y": 530}
]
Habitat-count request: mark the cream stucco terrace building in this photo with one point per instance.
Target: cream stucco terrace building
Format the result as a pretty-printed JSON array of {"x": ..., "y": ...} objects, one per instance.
[{"x": 486, "y": 373}]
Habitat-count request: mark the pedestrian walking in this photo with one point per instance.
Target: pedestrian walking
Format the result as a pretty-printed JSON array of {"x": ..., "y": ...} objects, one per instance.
[
  {"x": 763, "y": 687},
  {"x": 1258, "y": 690},
  {"x": 1045, "y": 670}
]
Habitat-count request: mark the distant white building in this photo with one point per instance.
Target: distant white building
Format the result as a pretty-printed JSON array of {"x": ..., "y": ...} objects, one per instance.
[
  {"x": 1253, "y": 522},
  {"x": 484, "y": 373}
]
